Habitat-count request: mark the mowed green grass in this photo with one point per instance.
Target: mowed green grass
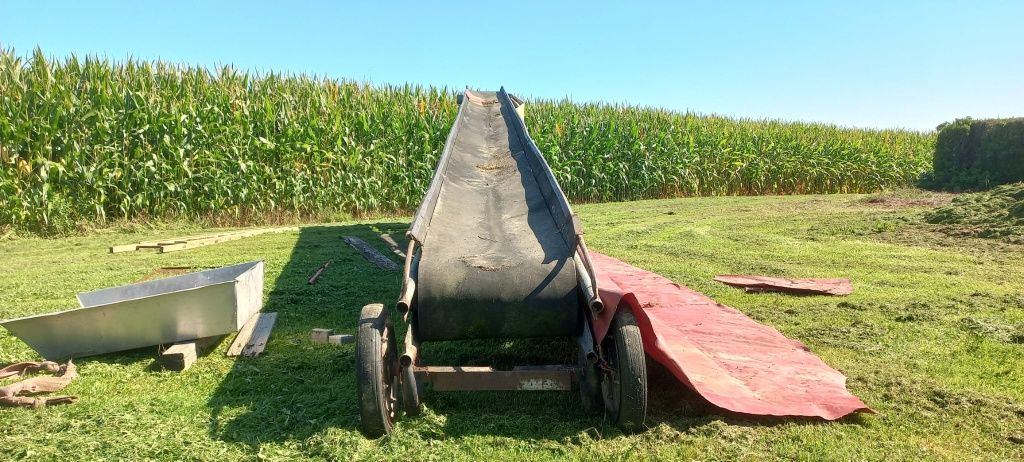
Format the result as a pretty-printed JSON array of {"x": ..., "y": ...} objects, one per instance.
[{"x": 929, "y": 339}]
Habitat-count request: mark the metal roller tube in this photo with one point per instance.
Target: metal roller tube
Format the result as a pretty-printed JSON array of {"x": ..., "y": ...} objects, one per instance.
[
  {"x": 405, "y": 301},
  {"x": 587, "y": 285}
]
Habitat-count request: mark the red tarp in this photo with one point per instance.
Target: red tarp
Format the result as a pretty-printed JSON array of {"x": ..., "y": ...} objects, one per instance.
[
  {"x": 818, "y": 286},
  {"x": 732, "y": 361}
]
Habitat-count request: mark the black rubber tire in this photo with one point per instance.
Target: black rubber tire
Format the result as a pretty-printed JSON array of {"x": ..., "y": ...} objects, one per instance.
[
  {"x": 376, "y": 371},
  {"x": 590, "y": 386},
  {"x": 624, "y": 385},
  {"x": 411, "y": 403}
]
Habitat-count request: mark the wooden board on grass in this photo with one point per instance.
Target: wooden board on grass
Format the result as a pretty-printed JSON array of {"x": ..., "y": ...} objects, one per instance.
[{"x": 252, "y": 339}]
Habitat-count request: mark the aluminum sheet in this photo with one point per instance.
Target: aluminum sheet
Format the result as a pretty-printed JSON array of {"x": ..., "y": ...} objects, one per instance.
[{"x": 186, "y": 307}]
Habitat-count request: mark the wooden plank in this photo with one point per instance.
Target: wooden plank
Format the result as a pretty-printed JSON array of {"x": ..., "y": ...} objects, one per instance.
[
  {"x": 199, "y": 243},
  {"x": 223, "y": 238},
  {"x": 260, "y": 335},
  {"x": 371, "y": 254},
  {"x": 182, "y": 355},
  {"x": 124, "y": 248},
  {"x": 243, "y": 336},
  {"x": 155, "y": 244},
  {"x": 187, "y": 242},
  {"x": 340, "y": 339},
  {"x": 253, "y": 337}
]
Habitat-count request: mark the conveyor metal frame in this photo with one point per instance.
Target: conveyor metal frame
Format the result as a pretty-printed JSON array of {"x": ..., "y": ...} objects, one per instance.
[
  {"x": 533, "y": 378},
  {"x": 559, "y": 246}
]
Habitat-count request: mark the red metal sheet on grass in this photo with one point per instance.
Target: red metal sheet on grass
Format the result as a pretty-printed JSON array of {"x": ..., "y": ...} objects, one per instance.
[
  {"x": 732, "y": 361},
  {"x": 820, "y": 286}
]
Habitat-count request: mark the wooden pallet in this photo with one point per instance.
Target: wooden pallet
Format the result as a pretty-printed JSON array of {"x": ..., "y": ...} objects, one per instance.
[{"x": 175, "y": 244}]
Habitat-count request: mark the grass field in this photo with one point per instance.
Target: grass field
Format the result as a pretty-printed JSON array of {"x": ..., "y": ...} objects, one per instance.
[{"x": 931, "y": 339}]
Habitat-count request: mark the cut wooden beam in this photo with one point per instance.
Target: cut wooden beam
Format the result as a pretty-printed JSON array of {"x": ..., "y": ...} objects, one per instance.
[
  {"x": 340, "y": 339},
  {"x": 252, "y": 339},
  {"x": 243, "y": 336},
  {"x": 155, "y": 244},
  {"x": 320, "y": 335},
  {"x": 189, "y": 242},
  {"x": 182, "y": 355},
  {"x": 260, "y": 335},
  {"x": 371, "y": 254}
]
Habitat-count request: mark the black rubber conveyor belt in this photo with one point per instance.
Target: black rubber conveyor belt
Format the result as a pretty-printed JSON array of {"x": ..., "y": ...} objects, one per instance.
[{"x": 496, "y": 259}]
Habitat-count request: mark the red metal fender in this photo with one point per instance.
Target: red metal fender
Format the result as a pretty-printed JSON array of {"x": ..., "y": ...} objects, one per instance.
[{"x": 731, "y": 360}]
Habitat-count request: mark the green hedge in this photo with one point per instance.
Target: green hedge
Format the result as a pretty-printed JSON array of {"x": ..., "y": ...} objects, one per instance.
[{"x": 978, "y": 154}]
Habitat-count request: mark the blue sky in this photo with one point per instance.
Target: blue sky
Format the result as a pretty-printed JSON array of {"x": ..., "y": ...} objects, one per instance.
[{"x": 858, "y": 63}]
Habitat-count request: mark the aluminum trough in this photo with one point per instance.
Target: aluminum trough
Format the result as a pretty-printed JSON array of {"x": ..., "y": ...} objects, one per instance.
[{"x": 186, "y": 307}]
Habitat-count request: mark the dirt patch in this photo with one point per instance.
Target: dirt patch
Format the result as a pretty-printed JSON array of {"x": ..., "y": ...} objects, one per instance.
[
  {"x": 902, "y": 198},
  {"x": 858, "y": 335},
  {"x": 1001, "y": 332},
  {"x": 998, "y": 213}
]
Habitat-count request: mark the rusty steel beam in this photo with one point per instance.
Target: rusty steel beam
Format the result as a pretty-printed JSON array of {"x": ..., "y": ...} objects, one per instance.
[
  {"x": 319, "y": 271},
  {"x": 472, "y": 378}
]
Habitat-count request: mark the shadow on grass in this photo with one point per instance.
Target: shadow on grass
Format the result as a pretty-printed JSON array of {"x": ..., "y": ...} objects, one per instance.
[
  {"x": 296, "y": 388},
  {"x": 560, "y": 416}
]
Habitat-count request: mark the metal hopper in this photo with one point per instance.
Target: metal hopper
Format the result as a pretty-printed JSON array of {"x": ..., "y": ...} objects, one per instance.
[{"x": 186, "y": 307}]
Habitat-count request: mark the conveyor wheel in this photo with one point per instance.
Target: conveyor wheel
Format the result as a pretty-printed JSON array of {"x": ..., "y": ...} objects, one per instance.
[
  {"x": 624, "y": 382},
  {"x": 377, "y": 371}
]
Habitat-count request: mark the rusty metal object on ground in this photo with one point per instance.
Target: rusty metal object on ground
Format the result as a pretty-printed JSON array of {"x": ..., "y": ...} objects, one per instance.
[
  {"x": 319, "y": 271},
  {"x": 820, "y": 286},
  {"x": 13, "y": 395},
  {"x": 28, "y": 367}
]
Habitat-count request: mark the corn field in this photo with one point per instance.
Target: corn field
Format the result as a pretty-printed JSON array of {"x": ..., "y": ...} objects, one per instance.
[{"x": 89, "y": 140}]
